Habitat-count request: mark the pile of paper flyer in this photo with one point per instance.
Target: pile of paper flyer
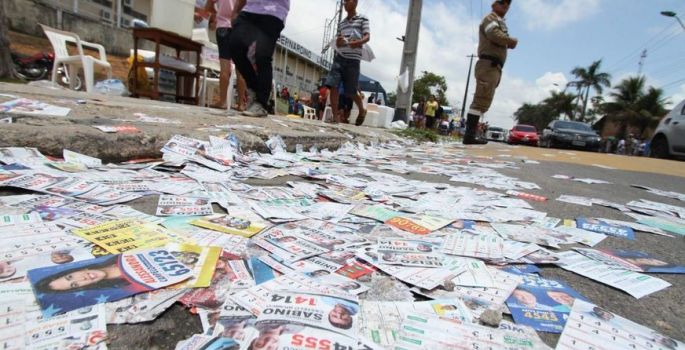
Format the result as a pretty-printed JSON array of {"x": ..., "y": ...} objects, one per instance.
[{"x": 346, "y": 254}]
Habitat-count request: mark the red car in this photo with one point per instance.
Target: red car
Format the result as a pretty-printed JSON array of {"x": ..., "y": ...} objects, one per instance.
[{"x": 523, "y": 134}]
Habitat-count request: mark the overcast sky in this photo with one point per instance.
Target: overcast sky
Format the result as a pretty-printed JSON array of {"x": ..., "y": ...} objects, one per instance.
[{"x": 554, "y": 37}]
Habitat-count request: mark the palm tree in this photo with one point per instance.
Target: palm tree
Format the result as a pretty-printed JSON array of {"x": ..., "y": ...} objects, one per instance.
[
  {"x": 631, "y": 105},
  {"x": 651, "y": 108},
  {"x": 591, "y": 78},
  {"x": 561, "y": 103}
]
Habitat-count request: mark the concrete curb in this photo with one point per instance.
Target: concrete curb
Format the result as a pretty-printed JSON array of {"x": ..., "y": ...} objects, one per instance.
[{"x": 75, "y": 132}]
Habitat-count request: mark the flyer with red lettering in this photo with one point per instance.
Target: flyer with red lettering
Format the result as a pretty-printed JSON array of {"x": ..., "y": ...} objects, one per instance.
[{"x": 67, "y": 287}]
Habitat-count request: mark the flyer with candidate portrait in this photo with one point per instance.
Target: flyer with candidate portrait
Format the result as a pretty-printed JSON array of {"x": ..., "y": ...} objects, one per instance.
[
  {"x": 67, "y": 287},
  {"x": 542, "y": 304},
  {"x": 335, "y": 314}
]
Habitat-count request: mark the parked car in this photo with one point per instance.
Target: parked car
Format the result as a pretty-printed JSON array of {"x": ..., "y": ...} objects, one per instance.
[
  {"x": 523, "y": 134},
  {"x": 568, "y": 134},
  {"x": 495, "y": 134},
  {"x": 669, "y": 137}
]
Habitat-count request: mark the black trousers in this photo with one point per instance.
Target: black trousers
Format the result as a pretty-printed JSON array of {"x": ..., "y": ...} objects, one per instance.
[{"x": 253, "y": 42}]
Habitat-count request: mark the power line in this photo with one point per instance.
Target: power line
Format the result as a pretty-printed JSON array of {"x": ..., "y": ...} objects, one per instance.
[
  {"x": 673, "y": 83},
  {"x": 628, "y": 57}
]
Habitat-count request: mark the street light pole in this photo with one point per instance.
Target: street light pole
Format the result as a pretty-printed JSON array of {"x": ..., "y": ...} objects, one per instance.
[
  {"x": 466, "y": 91},
  {"x": 674, "y": 15}
]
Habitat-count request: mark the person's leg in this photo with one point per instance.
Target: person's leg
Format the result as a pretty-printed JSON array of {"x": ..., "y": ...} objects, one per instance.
[
  {"x": 243, "y": 35},
  {"x": 224, "y": 78},
  {"x": 269, "y": 30},
  {"x": 332, "y": 82},
  {"x": 223, "y": 40},
  {"x": 487, "y": 80},
  {"x": 242, "y": 91},
  {"x": 351, "y": 71}
]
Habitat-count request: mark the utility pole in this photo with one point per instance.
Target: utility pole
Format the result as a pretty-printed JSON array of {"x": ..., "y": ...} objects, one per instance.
[
  {"x": 642, "y": 61},
  {"x": 468, "y": 81},
  {"x": 409, "y": 51}
]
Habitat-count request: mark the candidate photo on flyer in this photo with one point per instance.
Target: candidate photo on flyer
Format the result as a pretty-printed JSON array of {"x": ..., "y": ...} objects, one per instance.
[{"x": 73, "y": 285}]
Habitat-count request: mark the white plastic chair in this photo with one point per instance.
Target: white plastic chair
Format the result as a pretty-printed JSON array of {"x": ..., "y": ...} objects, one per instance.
[{"x": 59, "y": 39}]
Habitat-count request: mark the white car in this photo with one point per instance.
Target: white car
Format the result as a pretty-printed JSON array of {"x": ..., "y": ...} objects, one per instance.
[
  {"x": 495, "y": 134},
  {"x": 669, "y": 137}
]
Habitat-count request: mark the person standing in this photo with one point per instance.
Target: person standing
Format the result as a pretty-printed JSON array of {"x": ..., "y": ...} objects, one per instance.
[
  {"x": 353, "y": 33},
  {"x": 493, "y": 43},
  {"x": 220, "y": 12},
  {"x": 431, "y": 109},
  {"x": 257, "y": 25},
  {"x": 419, "y": 116}
]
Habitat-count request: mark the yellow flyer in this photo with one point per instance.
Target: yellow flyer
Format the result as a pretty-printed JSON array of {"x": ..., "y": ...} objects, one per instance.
[
  {"x": 235, "y": 224},
  {"x": 202, "y": 260},
  {"x": 123, "y": 235}
]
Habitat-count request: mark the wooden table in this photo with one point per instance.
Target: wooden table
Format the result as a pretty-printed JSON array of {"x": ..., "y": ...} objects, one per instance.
[{"x": 176, "y": 42}]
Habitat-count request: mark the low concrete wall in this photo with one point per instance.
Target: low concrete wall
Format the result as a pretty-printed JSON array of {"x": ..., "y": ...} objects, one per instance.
[{"x": 26, "y": 15}]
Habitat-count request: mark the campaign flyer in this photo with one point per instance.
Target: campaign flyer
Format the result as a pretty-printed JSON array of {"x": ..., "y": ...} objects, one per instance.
[
  {"x": 598, "y": 226},
  {"x": 541, "y": 303},
  {"x": 632, "y": 260},
  {"x": 330, "y": 313},
  {"x": 123, "y": 235},
  {"x": 67, "y": 287},
  {"x": 242, "y": 225},
  {"x": 592, "y": 327}
]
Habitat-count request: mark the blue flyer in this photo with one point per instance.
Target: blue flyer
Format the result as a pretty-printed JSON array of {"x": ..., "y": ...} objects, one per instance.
[
  {"x": 542, "y": 304},
  {"x": 598, "y": 226}
]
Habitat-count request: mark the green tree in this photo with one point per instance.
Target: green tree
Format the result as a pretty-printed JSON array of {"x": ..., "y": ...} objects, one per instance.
[
  {"x": 538, "y": 115},
  {"x": 561, "y": 103},
  {"x": 392, "y": 99},
  {"x": 430, "y": 84},
  {"x": 635, "y": 105},
  {"x": 590, "y": 78}
]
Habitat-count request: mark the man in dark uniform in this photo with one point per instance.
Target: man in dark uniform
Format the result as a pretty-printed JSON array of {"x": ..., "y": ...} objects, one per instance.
[{"x": 493, "y": 42}]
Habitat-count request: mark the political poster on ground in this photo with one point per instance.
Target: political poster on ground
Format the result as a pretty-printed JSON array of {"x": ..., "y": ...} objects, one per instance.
[
  {"x": 120, "y": 236},
  {"x": 632, "y": 260},
  {"x": 598, "y": 226},
  {"x": 541, "y": 303},
  {"x": 631, "y": 282},
  {"x": 246, "y": 225},
  {"x": 23, "y": 326},
  {"x": 183, "y": 206},
  {"x": 592, "y": 327},
  {"x": 334, "y": 314},
  {"x": 67, "y": 287}
]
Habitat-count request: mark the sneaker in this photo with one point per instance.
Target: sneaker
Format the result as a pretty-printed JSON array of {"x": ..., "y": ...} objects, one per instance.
[{"x": 255, "y": 110}]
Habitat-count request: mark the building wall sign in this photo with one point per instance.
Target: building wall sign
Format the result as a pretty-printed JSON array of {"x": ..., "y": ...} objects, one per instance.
[{"x": 295, "y": 47}]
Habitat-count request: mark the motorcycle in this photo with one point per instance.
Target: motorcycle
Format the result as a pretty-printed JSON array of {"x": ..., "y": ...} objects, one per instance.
[
  {"x": 35, "y": 67},
  {"x": 39, "y": 66}
]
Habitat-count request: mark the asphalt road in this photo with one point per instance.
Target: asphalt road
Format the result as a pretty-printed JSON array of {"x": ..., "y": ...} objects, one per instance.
[{"x": 661, "y": 311}]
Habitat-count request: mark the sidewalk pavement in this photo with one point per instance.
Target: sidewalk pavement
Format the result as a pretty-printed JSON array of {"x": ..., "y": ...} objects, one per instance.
[{"x": 76, "y": 132}]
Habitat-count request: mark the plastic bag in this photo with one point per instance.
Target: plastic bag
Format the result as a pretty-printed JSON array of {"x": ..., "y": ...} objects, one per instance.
[
  {"x": 113, "y": 87},
  {"x": 403, "y": 80}
]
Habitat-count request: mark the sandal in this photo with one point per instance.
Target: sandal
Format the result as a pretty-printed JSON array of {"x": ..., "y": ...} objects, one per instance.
[{"x": 360, "y": 118}]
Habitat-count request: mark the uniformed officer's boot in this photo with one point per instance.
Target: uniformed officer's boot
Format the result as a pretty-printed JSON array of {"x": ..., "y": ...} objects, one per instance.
[{"x": 471, "y": 132}]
